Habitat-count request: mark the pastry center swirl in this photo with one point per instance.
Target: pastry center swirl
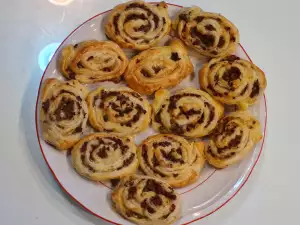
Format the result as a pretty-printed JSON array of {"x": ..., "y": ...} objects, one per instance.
[
  {"x": 187, "y": 115},
  {"x": 105, "y": 154},
  {"x": 234, "y": 78},
  {"x": 65, "y": 108},
  {"x": 138, "y": 20},
  {"x": 124, "y": 108},
  {"x": 229, "y": 138},
  {"x": 155, "y": 200}
]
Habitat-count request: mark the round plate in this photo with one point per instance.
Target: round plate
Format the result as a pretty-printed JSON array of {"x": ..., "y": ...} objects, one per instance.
[{"x": 214, "y": 188}]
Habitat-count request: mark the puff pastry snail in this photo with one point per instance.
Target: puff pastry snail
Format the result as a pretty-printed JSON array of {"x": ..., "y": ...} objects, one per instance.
[
  {"x": 233, "y": 81},
  {"x": 189, "y": 112},
  {"x": 63, "y": 112},
  {"x": 145, "y": 200},
  {"x": 235, "y": 136},
  {"x": 172, "y": 159},
  {"x": 210, "y": 34},
  {"x": 138, "y": 25},
  {"x": 158, "y": 67},
  {"x": 93, "y": 61},
  {"x": 118, "y": 110},
  {"x": 100, "y": 157}
]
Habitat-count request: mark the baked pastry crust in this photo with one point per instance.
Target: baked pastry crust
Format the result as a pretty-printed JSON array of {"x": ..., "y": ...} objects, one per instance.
[
  {"x": 101, "y": 157},
  {"x": 234, "y": 137},
  {"x": 145, "y": 200},
  {"x": 189, "y": 112},
  {"x": 210, "y": 34},
  {"x": 137, "y": 24},
  {"x": 172, "y": 159},
  {"x": 118, "y": 110},
  {"x": 159, "y": 67},
  {"x": 233, "y": 81},
  {"x": 63, "y": 112},
  {"x": 93, "y": 61}
]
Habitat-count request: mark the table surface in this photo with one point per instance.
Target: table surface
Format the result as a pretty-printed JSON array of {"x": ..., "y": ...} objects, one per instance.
[{"x": 29, "y": 194}]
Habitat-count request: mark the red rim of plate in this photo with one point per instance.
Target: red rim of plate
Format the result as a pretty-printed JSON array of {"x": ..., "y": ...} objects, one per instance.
[{"x": 107, "y": 220}]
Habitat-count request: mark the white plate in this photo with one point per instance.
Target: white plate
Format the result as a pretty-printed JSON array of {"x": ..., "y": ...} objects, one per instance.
[{"x": 213, "y": 190}]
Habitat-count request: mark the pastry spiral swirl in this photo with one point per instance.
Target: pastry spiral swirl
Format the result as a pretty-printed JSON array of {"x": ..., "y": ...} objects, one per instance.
[
  {"x": 118, "y": 110},
  {"x": 172, "y": 159},
  {"x": 138, "y": 25},
  {"x": 235, "y": 136},
  {"x": 159, "y": 67},
  {"x": 189, "y": 112},
  {"x": 233, "y": 81},
  {"x": 145, "y": 200},
  {"x": 210, "y": 34},
  {"x": 93, "y": 61},
  {"x": 63, "y": 112},
  {"x": 100, "y": 157}
]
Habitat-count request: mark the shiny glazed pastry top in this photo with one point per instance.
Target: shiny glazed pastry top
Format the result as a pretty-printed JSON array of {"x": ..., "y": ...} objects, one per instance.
[
  {"x": 159, "y": 67},
  {"x": 93, "y": 61}
]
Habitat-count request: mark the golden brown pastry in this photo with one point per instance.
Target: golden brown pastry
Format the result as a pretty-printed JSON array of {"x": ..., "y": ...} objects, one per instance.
[
  {"x": 234, "y": 137},
  {"x": 93, "y": 61},
  {"x": 189, "y": 112},
  {"x": 137, "y": 24},
  {"x": 118, "y": 110},
  {"x": 100, "y": 157},
  {"x": 233, "y": 81},
  {"x": 145, "y": 200},
  {"x": 172, "y": 159},
  {"x": 210, "y": 34},
  {"x": 158, "y": 67},
  {"x": 63, "y": 112}
]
